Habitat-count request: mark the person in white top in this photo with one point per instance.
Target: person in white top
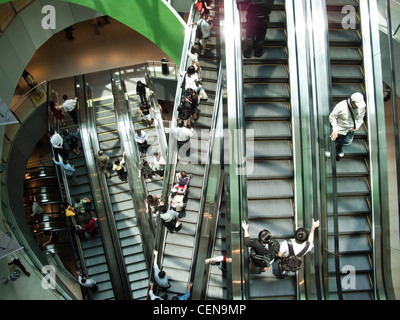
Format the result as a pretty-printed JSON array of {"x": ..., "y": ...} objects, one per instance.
[
  {"x": 299, "y": 242},
  {"x": 191, "y": 79},
  {"x": 86, "y": 282},
  {"x": 346, "y": 118},
  {"x": 194, "y": 58},
  {"x": 206, "y": 26},
  {"x": 69, "y": 105}
]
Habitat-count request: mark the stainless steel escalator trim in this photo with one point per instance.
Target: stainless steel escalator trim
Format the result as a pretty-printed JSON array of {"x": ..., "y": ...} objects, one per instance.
[
  {"x": 324, "y": 98},
  {"x": 108, "y": 234},
  {"x": 171, "y": 157},
  {"x": 136, "y": 184},
  {"x": 206, "y": 227},
  {"x": 376, "y": 138},
  {"x": 237, "y": 148}
]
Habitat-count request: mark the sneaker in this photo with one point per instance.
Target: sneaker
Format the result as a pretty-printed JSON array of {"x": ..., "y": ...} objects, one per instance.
[
  {"x": 341, "y": 154},
  {"x": 327, "y": 154}
]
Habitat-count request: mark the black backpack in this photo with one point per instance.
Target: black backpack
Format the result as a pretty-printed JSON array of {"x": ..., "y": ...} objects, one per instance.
[
  {"x": 293, "y": 262},
  {"x": 264, "y": 260}
]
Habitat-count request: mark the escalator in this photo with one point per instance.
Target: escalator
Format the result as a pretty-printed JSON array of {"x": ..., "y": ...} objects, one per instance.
[
  {"x": 93, "y": 248},
  {"x": 178, "y": 248},
  {"x": 107, "y": 139},
  {"x": 270, "y": 185},
  {"x": 353, "y": 204}
]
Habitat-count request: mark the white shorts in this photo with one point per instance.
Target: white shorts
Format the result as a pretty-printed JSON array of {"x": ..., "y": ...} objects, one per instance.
[{"x": 147, "y": 117}]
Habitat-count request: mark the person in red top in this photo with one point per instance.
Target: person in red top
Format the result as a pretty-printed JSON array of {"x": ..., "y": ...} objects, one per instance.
[{"x": 91, "y": 227}]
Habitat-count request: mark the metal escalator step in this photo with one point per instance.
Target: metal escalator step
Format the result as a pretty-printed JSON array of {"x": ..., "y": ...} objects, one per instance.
[
  {"x": 270, "y": 169},
  {"x": 275, "y": 36},
  {"x": 267, "y": 110},
  {"x": 357, "y": 147},
  {"x": 362, "y": 283},
  {"x": 127, "y": 228},
  {"x": 351, "y": 244},
  {"x": 350, "y": 225},
  {"x": 360, "y": 262},
  {"x": 270, "y": 149},
  {"x": 269, "y": 189},
  {"x": 139, "y": 275},
  {"x": 342, "y": 37},
  {"x": 346, "y": 73},
  {"x": 271, "y": 54},
  {"x": 335, "y": 20},
  {"x": 277, "y": 288},
  {"x": 180, "y": 240},
  {"x": 269, "y": 129},
  {"x": 353, "y": 205},
  {"x": 180, "y": 251},
  {"x": 104, "y": 295},
  {"x": 109, "y": 145},
  {"x": 122, "y": 206},
  {"x": 270, "y": 209},
  {"x": 141, "y": 293},
  {"x": 179, "y": 263},
  {"x": 259, "y": 72},
  {"x": 266, "y": 91},
  {"x": 352, "y": 186},
  {"x": 191, "y": 169},
  {"x": 123, "y": 196},
  {"x": 337, "y": 5},
  {"x": 352, "y": 167},
  {"x": 358, "y": 296},
  {"x": 342, "y": 55},
  {"x": 280, "y": 228},
  {"x": 93, "y": 252},
  {"x": 128, "y": 241},
  {"x": 95, "y": 261},
  {"x": 342, "y": 91},
  {"x": 132, "y": 248},
  {"x": 193, "y": 205},
  {"x": 137, "y": 265}
]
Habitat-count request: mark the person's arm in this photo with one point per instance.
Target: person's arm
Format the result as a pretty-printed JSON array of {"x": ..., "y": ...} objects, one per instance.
[
  {"x": 315, "y": 225},
  {"x": 333, "y": 121},
  {"x": 55, "y": 161}
]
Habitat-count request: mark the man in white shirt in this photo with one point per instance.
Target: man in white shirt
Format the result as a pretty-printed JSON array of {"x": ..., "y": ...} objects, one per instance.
[
  {"x": 69, "y": 105},
  {"x": 346, "y": 118},
  {"x": 302, "y": 239},
  {"x": 85, "y": 282},
  {"x": 57, "y": 143},
  {"x": 141, "y": 140},
  {"x": 183, "y": 135}
]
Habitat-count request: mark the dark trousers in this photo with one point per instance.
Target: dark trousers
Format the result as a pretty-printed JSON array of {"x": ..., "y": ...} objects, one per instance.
[
  {"x": 256, "y": 29},
  {"x": 18, "y": 263},
  {"x": 142, "y": 96},
  {"x": 343, "y": 141},
  {"x": 73, "y": 115}
]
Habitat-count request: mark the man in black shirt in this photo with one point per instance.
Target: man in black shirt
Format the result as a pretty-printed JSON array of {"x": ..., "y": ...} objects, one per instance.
[
  {"x": 257, "y": 22},
  {"x": 263, "y": 246}
]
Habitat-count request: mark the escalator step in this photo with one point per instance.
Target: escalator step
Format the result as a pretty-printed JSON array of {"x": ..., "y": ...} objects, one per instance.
[
  {"x": 345, "y": 38},
  {"x": 351, "y": 244},
  {"x": 350, "y": 225},
  {"x": 267, "y": 110},
  {"x": 258, "y": 91},
  {"x": 256, "y": 72},
  {"x": 270, "y": 149},
  {"x": 270, "y": 169},
  {"x": 270, "y": 129},
  {"x": 270, "y": 209},
  {"x": 341, "y": 55},
  {"x": 360, "y": 262},
  {"x": 269, "y": 189},
  {"x": 352, "y": 167},
  {"x": 353, "y": 205},
  {"x": 352, "y": 186},
  {"x": 346, "y": 73},
  {"x": 280, "y": 228}
]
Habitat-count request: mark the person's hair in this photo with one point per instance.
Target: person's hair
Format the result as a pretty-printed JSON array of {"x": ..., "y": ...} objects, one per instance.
[
  {"x": 183, "y": 174},
  {"x": 193, "y": 49},
  {"x": 65, "y": 97},
  {"x": 264, "y": 236},
  {"x": 139, "y": 82},
  {"x": 50, "y": 132},
  {"x": 100, "y": 152},
  {"x": 301, "y": 235},
  {"x": 65, "y": 132},
  {"x": 161, "y": 274},
  {"x": 156, "y": 153},
  {"x": 139, "y": 131},
  {"x": 87, "y": 221},
  {"x": 191, "y": 70},
  {"x": 52, "y": 104},
  {"x": 47, "y": 232},
  {"x": 65, "y": 161},
  {"x": 174, "y": 193},
  {"x": 163, "y": 209},
  {"x": 77, "y": 200},
  {"x": 116, "y": 161},
  {"x": 83, "y": 279},
  {"x": 174, "y": 298}
]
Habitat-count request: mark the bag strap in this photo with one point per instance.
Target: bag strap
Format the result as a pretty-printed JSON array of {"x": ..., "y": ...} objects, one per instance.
[
  {"x": 351, "y": 113},
  {"x": 302, "y": 252},
  {"x": 291, "y": 251}
]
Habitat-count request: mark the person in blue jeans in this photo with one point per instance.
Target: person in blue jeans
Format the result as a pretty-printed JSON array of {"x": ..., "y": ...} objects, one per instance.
[
  {"x": 185, "y": 296},
  {"x": 346, "y": 118}
]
